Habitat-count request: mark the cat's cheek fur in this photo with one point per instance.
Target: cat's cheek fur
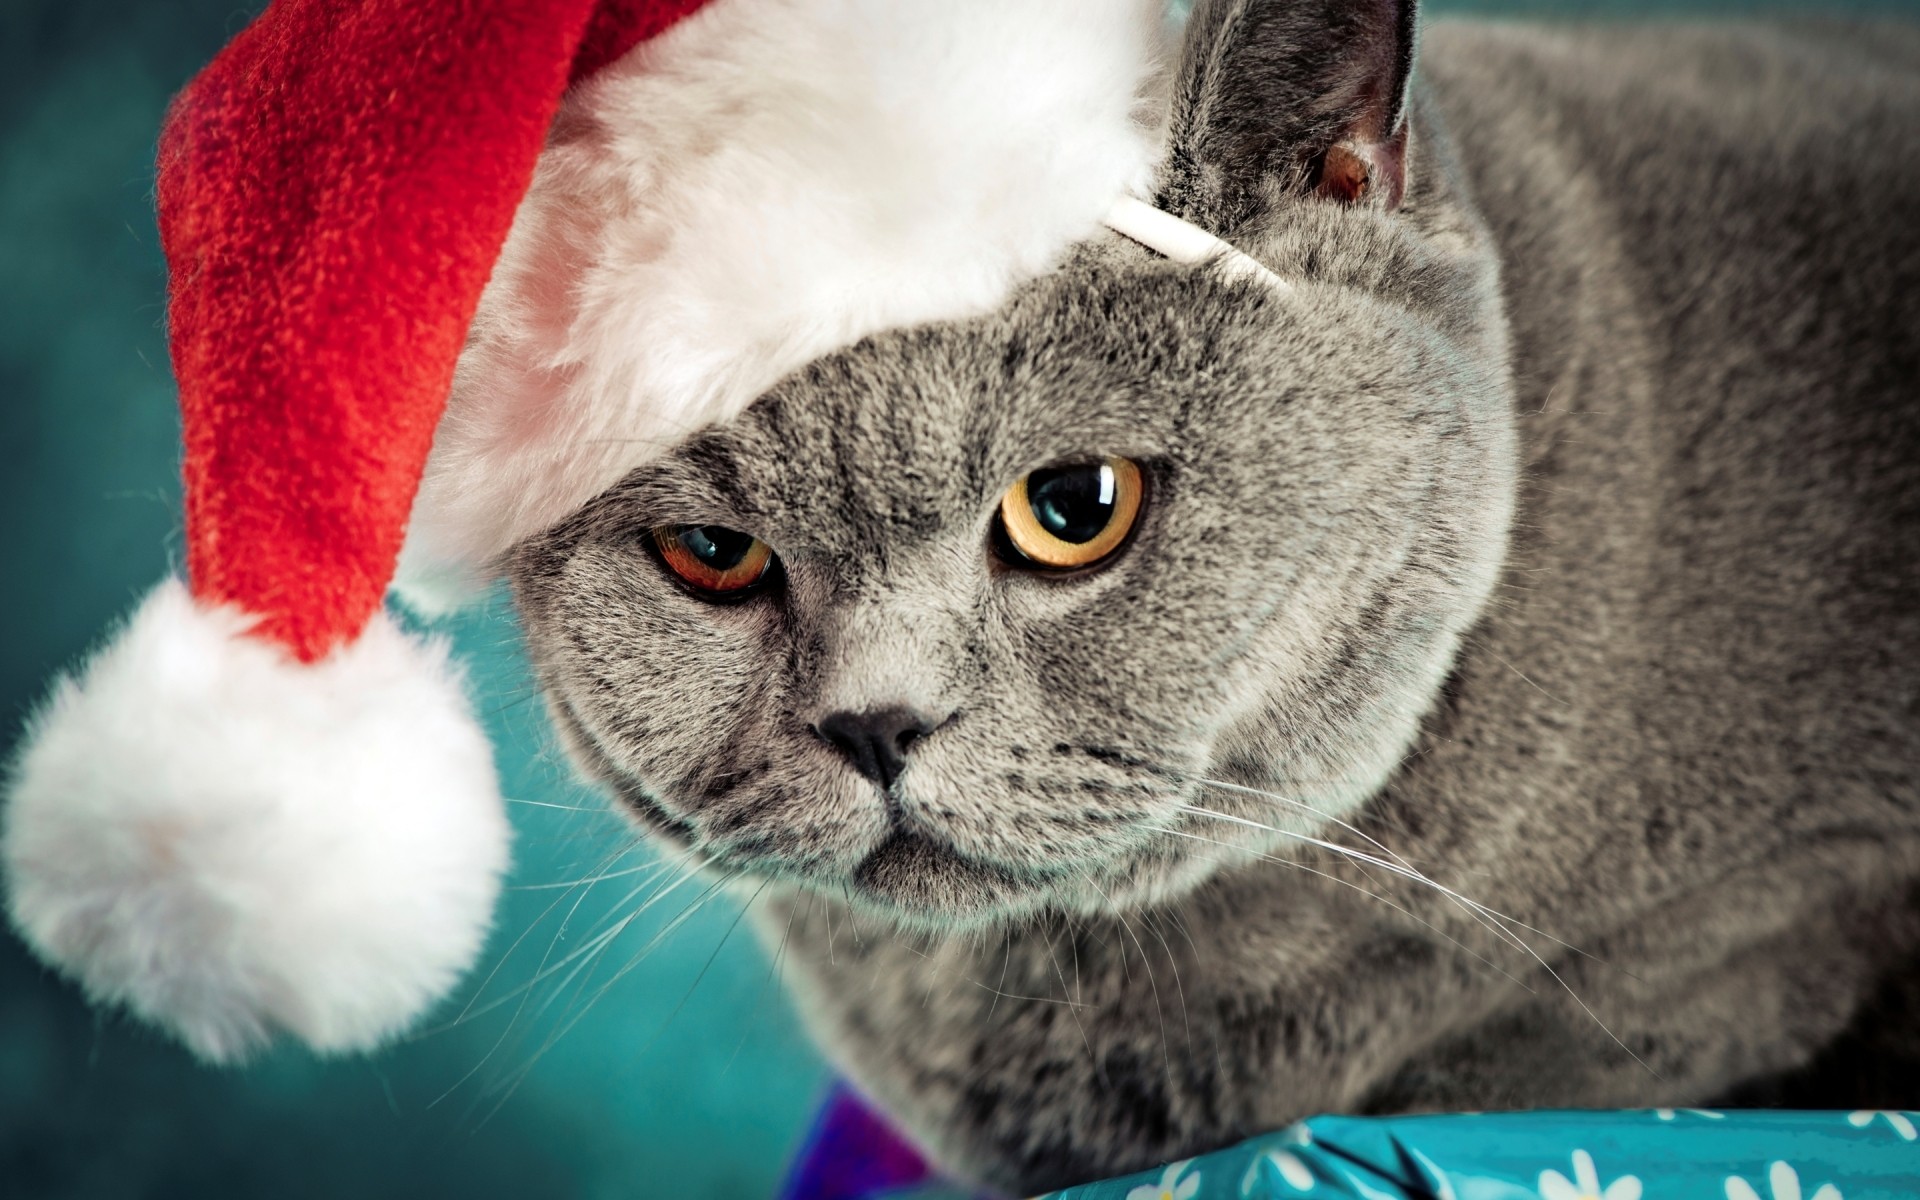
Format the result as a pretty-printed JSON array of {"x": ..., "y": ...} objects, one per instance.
[
  {"x": 665, "y": 747},
  {"x": 317, "y": 847}
]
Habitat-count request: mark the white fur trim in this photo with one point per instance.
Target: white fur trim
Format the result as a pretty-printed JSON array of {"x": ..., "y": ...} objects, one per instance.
[
  {"x": 1184, "y": 242},
  {"x": 232, "y": 843},
  {"x": 769, "y": 181}
]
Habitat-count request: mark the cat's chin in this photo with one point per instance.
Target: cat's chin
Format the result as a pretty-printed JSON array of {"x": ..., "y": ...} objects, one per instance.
[{"x": 918, "y": 881}]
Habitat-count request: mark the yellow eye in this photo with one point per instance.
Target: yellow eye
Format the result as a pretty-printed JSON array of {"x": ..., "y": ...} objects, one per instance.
[
  {"x": 1060, "y": 518},
  {"x": 713, "y": 559}
]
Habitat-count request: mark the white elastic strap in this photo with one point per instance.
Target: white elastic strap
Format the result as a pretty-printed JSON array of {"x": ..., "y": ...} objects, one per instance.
[{"x": 1183, "y": 241}]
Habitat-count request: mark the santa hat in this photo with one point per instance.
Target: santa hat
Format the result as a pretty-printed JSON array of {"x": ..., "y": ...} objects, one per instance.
[{"x": 440, "y": 273}]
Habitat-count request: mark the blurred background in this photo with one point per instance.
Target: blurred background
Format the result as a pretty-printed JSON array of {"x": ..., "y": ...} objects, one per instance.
[{"x": 661, "y": 1061}]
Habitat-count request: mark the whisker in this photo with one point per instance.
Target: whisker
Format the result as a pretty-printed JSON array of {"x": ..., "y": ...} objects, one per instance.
[
  {"x": 1417, "y": 877},
  {"x": 599, "y": 808},
  {"x": 595, "y": 941},
  {"x": 1073, "y": 944},
  {"x": 509, "y": 705},
  {"x": 1364, "y": 836},
  {"x": 1073, "y": 1009},
  {"x": 708, "y": 965},
  {"x": 501, "y": 962},
  {"x": 1363, "y": 857},
  {"x": 853, "y": 919},
  {"x": 612, "y": 926},
  {"x": 933, "y": 980},
  {"x": 514, "y": 1021},
  {"x": 1401, "y": 909},
  {"x": 1173, "y": 913},
  {"x": 774, "y": 978},
  {"x": 1006, "y": 959},
  {"x": 525, "y": 991},
  {"x": 592, "y": 879},
  {"x": 580, "y": 1010},
  {"x": 1179, "y": 989},
  {"x": 1356, "y": 831},
  {"x": 1031, "y": 999},
  {"x": 567, "y": 921},
  {"x": 1166, "y": 1051},
  {"x": 1482, "y": 646}
]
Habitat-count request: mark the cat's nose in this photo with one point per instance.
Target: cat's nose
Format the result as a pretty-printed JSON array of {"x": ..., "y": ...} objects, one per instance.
[{"x": 876, "y": 742}]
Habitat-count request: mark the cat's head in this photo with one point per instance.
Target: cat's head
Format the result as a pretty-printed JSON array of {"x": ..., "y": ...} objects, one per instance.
[{"x": 968, "y": 619}]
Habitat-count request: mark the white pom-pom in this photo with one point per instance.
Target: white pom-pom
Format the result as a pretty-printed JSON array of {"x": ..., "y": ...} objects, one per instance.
[{"x": 233, "y": 844}]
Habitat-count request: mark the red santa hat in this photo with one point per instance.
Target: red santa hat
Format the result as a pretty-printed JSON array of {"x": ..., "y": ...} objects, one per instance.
[{"x": 441, "y": 272}]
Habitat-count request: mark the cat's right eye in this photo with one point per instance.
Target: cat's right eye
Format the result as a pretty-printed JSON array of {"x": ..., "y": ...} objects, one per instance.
[{"x": 714, "y": 560}]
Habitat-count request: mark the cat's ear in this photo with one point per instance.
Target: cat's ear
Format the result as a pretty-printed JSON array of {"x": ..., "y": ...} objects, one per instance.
[{"x": 1289, "y": 96}]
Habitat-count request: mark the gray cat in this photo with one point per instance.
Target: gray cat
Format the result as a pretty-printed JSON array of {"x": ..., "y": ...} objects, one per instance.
[{"x": 1553, "y": 546}]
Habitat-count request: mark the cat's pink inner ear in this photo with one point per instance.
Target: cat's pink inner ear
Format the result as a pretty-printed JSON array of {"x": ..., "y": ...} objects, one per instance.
[
  {"x": 1355, "y": 171},
  {"x": 1368, "y": 162}
]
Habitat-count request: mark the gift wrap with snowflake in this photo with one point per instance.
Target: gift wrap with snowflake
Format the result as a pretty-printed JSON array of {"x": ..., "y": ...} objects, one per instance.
[{"x": 1650, "y": 1154}]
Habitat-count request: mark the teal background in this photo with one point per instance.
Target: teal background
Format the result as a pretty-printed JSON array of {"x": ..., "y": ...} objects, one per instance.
[
  {"x": 686, "y": 1076},
  {"x": 665, "y": 1087}
]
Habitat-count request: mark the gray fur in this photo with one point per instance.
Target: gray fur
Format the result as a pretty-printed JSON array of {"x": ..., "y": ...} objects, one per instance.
[{"x": 1561, "y": 531}]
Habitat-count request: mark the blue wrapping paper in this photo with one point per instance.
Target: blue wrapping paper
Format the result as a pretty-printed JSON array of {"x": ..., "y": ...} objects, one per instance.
[
  {"x": 1657, "y": 1154},
  {"x": 1644, "y": 1154}
]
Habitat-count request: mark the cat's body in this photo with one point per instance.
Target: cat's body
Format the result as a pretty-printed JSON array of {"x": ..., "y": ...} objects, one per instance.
[{"x": 1681, "y": 733}]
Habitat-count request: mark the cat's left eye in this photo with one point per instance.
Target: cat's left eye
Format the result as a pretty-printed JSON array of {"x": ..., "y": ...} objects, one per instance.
[
  {"x": 714, "y": 559},
  {"x": 1071, "y": 516}
]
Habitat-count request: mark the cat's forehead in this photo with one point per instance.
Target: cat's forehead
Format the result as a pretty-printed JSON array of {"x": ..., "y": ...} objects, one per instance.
[{"x": 910, "y": 425}]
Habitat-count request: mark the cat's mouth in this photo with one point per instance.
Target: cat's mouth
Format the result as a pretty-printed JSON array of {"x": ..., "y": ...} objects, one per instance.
[{"x": 910, "y": 873}]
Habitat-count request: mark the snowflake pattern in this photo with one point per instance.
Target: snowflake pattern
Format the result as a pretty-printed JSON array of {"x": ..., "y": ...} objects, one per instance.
[
  {"x": 1174, "y": 1184},
  {"x": 1901, "y": 1122},
  {"x": 1585, "y": 1184},
  {"x": 1783, "y": 1182},
  {"x": 1668, "y": 1114},
  {"x": 1291, "y": 1168},
  {"x": 1290, "y": 1163}
]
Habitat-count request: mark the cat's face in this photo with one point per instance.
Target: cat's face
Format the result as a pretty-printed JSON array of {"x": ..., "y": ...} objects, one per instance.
[{"x": 1326, "y": 477}]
